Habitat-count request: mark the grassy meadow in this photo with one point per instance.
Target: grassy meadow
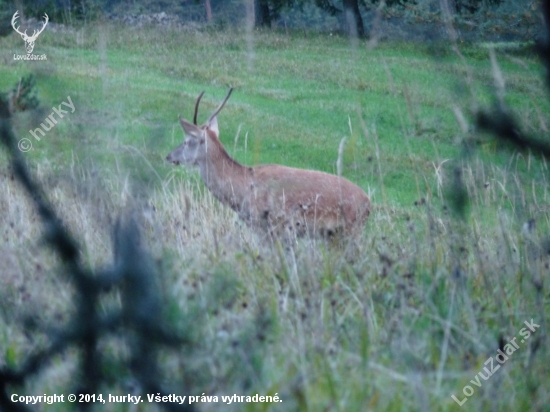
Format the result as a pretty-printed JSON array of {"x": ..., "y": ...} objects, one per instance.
[{"x": 433, "y": 288}]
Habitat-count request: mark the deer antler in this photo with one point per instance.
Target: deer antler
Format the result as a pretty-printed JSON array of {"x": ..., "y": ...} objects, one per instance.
[
  {"x": 35, "y": 34},
  {"x": 197, "y": 108},
  {"x": 220, "y": 107},
  {"x": 13, "y": 24}
]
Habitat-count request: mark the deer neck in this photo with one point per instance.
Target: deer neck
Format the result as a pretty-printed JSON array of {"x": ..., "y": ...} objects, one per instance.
[{"x": 228, "y": 180}]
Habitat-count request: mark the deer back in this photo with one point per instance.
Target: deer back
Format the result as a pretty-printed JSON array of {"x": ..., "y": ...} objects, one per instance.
[{"x": 307, "y": 201}]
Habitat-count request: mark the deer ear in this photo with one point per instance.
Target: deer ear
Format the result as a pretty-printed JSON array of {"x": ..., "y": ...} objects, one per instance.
[
  {"x": 189, "y": 128},
  {"x": 213, "y": 125}
]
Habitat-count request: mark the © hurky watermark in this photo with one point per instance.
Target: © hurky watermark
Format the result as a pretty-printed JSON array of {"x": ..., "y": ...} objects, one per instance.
[
  {"x": 501, "y": 358},
  {"x": 49, "y": 122},
  {"x": 29, "y": 40}
]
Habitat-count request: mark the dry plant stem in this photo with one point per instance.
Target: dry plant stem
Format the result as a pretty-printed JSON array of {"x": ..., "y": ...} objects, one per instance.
[
  {"x": 501, "y": 122},
  {"x": 377, "y": 153},
  {"x": 140, "y": 300}
]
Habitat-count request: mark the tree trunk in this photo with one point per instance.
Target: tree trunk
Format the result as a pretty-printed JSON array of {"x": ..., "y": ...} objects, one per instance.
[
  {"x": 208, "y": 11},
  {"x": 452, "y": 6},
  {"x": 262, "y": 16},
  {"x": 353, "y": 17},
  {"x": 449, "y": 7}
]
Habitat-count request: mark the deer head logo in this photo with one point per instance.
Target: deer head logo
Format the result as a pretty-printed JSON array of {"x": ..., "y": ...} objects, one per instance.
[{"x": 29, "y": 40}]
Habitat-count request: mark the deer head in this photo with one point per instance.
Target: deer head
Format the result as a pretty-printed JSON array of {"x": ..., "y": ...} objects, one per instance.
[
  {"x": 195, "y": 144},
  {"x": 29, "y": 40}
]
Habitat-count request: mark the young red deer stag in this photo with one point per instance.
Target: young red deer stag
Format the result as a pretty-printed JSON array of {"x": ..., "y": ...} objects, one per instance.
[{"x": 279, "y": 199}]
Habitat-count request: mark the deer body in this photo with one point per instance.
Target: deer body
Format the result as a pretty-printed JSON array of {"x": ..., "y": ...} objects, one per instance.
[{"x": 276, "y": 198}]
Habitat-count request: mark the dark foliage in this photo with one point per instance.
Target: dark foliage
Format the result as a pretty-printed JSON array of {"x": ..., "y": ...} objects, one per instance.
[
  {"x": 471, "y": 6},
  {"x": 351, "y": 11},
  {"x": 58, "y": 10},
  {"x": 266, "y": 11},
  {"x": 460, "y": 6},
  {"x": 23, "y": 96},
  {"x": 139, "y": 319},
  {"x": 502, "y": 123}
]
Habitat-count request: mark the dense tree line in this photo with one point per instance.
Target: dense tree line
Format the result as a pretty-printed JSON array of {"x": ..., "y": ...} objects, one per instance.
[{"x": 266, "y": 12}]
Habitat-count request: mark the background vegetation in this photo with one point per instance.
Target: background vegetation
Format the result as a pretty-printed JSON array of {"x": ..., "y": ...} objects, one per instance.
[
  {"x": 453, "y": 260},
  {"x": 402, "y": 19}
]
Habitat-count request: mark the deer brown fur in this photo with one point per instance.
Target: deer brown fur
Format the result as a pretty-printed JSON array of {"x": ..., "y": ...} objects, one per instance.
[{"x": 278, "y": 199}]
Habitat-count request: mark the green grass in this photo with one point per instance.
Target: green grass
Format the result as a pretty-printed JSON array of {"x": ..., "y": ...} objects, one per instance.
[
  {"x": 294, "y": 96},
  {"x": 404, "y": 323}
]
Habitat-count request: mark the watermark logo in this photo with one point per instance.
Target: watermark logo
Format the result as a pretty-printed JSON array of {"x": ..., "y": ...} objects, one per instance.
[
  {"x": 501, "y": 358},
  {"x": 29, "y": 40},
  {"x": 25, "y": 144}
]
